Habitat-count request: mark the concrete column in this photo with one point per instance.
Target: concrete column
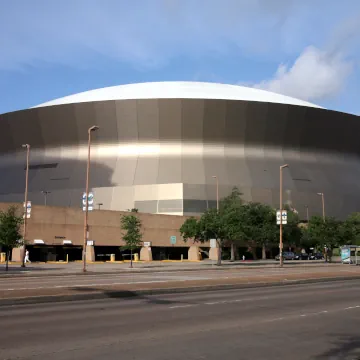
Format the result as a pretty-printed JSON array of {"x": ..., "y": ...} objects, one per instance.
[
  {"x": 213, "y": 253},
  {"x": 17, "y": 254},
  {"x": 146, "y": 253},
  {"x": 193, "y": 253},
  {"x": 90, "y": 253}
]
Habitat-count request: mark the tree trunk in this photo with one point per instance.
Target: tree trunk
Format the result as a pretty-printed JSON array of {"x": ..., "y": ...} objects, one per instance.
[
  {"x": 233, "y": 249},
  {"x": 7, "y": 261},
  {"x": 219, "y": 253},
  {"x": 131, "y": 258},
  {"x": 329, "y": 255},
  {"x": 264, "y": 252},
  {"x": 253, "y": 251}
]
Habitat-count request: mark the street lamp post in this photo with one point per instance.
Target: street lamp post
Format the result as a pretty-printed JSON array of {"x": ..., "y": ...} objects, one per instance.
[
  {"x": 281, "y": 205},
  {"x": 217, "y": 191},
  {"x": 90, "y": 130},
  {"x": 45, "y": 193},
  {"x": 27, "y": 147},
  {"x": 307, "y": 213},
  {"x": 217, "y": 209},
  {"x": 323, "y": 204}
]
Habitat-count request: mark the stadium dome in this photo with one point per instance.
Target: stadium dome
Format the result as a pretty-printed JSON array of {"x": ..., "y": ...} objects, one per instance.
[
  {"x": 159, "y": 145},
  {"x": 178, "y": 90}
]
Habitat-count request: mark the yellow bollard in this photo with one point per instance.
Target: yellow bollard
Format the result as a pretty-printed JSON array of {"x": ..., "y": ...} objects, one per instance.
[
  {"x": 182, "y": 257},
  {"x": 2, "y": 257},
  {"x": 67, "y": 258},
  {"x": 136, "y": 257},
  {"x": 112, "y": 258}
]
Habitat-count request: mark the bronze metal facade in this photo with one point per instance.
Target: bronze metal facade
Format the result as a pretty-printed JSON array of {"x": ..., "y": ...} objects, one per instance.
[{"x": 159, "y": 155}]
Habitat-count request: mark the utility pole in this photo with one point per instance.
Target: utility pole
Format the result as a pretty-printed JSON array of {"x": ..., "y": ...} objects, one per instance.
[
  {"x": 281, "y": 225},
  {"x": 217, "y": 209},
  {"x": 217, "y": 191},
  {"x": 90, "y": 130},
  {"x": 27, "y": 147},
  {"x": 307, "y": 213},
  {"x": 323, "y": 204}
]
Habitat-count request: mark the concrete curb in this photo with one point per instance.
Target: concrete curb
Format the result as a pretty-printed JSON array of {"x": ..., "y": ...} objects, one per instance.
[{"x": 113, "y": 294}]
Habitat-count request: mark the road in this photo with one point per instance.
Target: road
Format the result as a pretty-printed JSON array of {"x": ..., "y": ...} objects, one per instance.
[
  {"x": 35, "y": 286},
  {"x": 314, "y": 321}
]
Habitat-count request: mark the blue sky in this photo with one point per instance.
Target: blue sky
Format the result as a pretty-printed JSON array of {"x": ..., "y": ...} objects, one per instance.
[{"x": 307, "y": 49}]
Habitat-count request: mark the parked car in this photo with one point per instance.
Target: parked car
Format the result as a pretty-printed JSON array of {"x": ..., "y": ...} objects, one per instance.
[
  {"x": 287, "y": 255},
  {"x": 316, "y": 256},
  {"x": 301, "y": 256}
]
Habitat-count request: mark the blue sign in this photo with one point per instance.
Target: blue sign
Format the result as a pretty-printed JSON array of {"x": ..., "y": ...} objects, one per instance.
[
  {"x": 173, "y": 240},
  {"x": 90, "y": 201},
  {"x": 345, "y": 254}
]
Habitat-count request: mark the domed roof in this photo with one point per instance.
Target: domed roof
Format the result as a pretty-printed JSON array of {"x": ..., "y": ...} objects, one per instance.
[{"x": 178, "y": 90}]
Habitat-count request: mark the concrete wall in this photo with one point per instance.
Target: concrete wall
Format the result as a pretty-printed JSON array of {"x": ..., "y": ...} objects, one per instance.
[{"x": 55, "y": 224}]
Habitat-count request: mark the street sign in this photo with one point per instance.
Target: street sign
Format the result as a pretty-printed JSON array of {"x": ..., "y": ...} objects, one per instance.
[
  {"x": 172, "y": 240},
  {"x": 283, "y": 215},
  {"x": 213, "y": 243},
  {"x": 147, "y": 243},
  {"x": 28, "y": 209},
  {"x": 90, "y": 201},
  {"x": 90, "y": 208}
]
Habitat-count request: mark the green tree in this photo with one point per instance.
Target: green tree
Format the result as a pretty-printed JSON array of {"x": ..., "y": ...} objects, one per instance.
[
  {"x": 10, "y": 236},
  {"x": 351, "y": 229},
  {"x": 230, "y": 209},
  {"x": 215, "y": 224},
  {"x": 260, "y": 227},
  {"x": 326, "y": 233},
  {"x": 236, "y": 226},
  {"x": 212, "y": 225},
  {"x": 190, "y": 230},
  {"x": 305, "y": 240},
  {"x": 292, "y": 233},
  {"x": 132, "y": 236},
  {"x": 232, "y": 200}
]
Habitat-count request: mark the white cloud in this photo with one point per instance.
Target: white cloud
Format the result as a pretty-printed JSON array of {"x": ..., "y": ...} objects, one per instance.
[{"x": 315, "y": 75}]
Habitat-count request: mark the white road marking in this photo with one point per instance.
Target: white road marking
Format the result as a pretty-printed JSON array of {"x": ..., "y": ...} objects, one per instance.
[
  {"x": 276, "y": 319},
  {"x": 270, "y": 320},
  {"x": 182, "y": 306}
]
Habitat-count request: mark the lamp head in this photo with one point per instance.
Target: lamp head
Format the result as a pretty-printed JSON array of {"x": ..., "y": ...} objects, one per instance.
[{"x": 94, "y": 128}]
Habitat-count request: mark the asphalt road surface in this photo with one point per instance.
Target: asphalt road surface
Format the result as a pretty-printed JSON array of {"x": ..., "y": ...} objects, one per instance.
[
  {"x": 96, "y": 280},
  {"x": 314, "y": 321}
]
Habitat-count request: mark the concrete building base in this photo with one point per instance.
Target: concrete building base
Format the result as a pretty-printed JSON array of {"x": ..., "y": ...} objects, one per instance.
[
  {"x": 17, "y": 254},
  {"x": 213, "y": 253},
  {"x": 193, "y": 253},
  {"x": 146, "y": 254},
  {"x": 90, "y": 253}
]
